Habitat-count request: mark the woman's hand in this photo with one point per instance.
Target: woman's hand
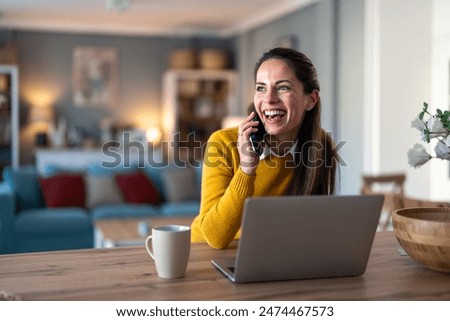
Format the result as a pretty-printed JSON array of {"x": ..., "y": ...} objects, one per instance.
[{"x": 249, "y": 159}]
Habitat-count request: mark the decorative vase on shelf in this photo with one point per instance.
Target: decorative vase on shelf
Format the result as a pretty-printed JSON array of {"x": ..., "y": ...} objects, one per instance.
[{"x": 58, "y": 134}]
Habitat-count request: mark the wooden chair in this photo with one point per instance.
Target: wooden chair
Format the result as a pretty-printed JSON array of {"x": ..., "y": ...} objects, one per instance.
[{"x": 392, "y": 187}]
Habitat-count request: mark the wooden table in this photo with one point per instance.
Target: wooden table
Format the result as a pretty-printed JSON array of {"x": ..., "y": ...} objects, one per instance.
[
  {"x": 128, "y": 273},
  {"x": 125, "y": 231}
]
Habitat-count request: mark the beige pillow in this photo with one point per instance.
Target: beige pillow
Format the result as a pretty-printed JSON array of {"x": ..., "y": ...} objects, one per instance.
[
  {"x": 102, "y": 190},
  {"x": 181, "y": 185}
]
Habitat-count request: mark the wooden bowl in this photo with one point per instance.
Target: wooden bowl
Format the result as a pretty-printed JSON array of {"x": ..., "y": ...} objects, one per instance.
[{"x": 424, "y": 233}]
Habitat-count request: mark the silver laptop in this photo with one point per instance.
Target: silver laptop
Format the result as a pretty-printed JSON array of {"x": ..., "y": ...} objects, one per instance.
[{"x": 303, "y": 237}]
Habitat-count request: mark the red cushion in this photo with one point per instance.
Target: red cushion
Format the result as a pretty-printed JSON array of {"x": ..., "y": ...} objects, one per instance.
[
  {"x": 63, "y": 190},
  {"x": 137, "y": 188}
]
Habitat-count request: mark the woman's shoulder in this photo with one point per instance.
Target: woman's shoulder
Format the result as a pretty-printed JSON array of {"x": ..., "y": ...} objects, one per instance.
[
  {"x": 222, "y": 146},
  {"x": 225, "y": 135}
]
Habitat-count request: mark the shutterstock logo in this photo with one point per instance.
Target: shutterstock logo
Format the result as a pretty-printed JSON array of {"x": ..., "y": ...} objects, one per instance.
[{"x": 128, "y": 153}]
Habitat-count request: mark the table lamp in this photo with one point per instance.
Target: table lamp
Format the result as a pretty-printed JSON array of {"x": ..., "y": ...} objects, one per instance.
[{"x": 40, "y": 117}]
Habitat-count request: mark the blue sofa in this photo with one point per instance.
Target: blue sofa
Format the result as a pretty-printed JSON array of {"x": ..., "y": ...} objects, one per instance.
[{"x": 27, "y": 224}]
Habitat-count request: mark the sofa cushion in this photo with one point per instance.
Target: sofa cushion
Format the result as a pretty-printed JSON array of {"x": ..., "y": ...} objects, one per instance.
[
  {"x": 124, "y": 211},
  {"x": 63, "y": 190},
  {"x": 99, "y": 170},
  {"x": 180, "y": 209},
  {"x": 104, "y": 177},
  {"x": 137, "y": 188},
  {"x": 53, "y": 221},
  {"x": 102, "y": 190},
  {"x": 180, "y": 185},
  {"x": 25, "y": 183},
  {"x": 155, "y": 176},
  {"x": 55, "y": 169}
]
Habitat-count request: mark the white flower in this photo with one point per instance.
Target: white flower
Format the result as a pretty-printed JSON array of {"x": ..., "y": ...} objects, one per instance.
[
  {"x": 442, "y": 151},
  {"x": 418, "y": 124},
  {"x": 436, "y": 127},
  {"x": 418, "y": 156},
  {"x": 424, "y": 137}
]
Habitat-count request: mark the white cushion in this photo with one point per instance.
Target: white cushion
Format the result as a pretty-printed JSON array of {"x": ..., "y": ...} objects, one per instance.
[{"x": 102, "y": 190}]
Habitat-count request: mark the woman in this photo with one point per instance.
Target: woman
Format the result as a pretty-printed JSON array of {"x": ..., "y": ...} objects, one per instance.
[{"x": 298, "y": 156}]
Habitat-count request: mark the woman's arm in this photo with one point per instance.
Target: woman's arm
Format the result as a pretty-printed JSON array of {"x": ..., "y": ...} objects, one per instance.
[{"x": 224, "y": 188}]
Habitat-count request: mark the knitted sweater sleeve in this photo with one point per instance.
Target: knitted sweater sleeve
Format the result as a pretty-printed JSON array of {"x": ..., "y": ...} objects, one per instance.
[{"x": 224, "y": 189}]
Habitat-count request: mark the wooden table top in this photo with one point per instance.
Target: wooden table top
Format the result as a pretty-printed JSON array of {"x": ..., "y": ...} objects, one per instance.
[{"x": 128, "y": 273}]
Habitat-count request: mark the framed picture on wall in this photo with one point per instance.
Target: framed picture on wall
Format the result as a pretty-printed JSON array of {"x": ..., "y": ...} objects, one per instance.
[{"x": 94, "y": 76}]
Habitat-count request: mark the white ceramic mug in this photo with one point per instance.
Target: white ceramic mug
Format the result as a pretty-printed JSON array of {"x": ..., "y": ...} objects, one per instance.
[{"x": 169, "y": 246}]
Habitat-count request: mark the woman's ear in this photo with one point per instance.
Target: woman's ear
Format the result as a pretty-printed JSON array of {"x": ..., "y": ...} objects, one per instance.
[{"x": 313, "y": 99}]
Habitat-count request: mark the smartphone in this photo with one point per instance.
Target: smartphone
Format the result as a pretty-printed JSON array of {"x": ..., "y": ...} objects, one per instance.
[{"x": 257, "y": 138}]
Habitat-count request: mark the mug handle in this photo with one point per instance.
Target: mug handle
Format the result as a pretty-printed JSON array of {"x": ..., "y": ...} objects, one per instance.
[{"x": 148, "y": 246}]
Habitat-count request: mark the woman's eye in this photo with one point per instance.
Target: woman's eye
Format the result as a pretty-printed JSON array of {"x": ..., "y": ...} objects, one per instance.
[
  {"x": 283, "y": 87},
  {"x": 260, "y": 88}
]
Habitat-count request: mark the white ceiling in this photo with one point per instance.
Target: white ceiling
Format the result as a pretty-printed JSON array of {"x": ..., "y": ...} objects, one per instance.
[{"x": 145, "y": 17}]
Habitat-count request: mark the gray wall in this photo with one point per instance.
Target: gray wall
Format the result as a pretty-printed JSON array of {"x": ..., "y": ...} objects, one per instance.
[{"x": 350, "y": 93}]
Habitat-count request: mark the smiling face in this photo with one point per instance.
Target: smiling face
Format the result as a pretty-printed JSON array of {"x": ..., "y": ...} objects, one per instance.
[{"x": 280, "y": 100}]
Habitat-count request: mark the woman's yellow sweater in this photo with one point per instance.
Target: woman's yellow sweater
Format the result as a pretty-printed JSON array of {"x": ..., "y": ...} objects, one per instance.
[{"x": 225, "y": 187}]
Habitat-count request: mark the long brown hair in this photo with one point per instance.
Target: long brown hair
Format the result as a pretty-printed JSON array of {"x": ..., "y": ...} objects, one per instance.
[{"x": 316, "y": 159}]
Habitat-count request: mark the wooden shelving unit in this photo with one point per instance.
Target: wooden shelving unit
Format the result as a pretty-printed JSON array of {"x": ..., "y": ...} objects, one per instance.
[
  {"x": 195, "y": 103},
  {"x": 9, "y": 116}
]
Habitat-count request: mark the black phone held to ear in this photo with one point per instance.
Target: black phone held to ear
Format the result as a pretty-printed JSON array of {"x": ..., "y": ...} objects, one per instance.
[{"x": 257, "y": 138}]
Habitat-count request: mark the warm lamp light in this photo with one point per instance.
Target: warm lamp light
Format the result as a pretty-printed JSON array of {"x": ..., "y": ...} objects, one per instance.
[
  {"x": 40, "y": 114},
  {"x": 154, "y": 135},
  {"x": 40, "y": 117}
]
